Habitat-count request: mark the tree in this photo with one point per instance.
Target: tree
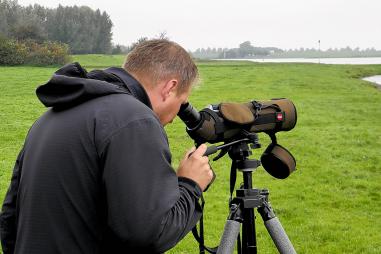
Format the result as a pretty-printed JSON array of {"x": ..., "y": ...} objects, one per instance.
[
  {"x": 116, "y": 50},
  {"x": 140, "y": 40},
  {"x": 245, "y": 49},
  {"x": 83, "y": 29},
  {"x": 3, "y": 19},
  {"x": 104, "y": 34},
  {"x": 162, "y": 35}
]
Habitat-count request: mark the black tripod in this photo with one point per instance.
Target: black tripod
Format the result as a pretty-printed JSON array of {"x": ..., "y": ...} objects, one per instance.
[{"x": 242, "y": 206}]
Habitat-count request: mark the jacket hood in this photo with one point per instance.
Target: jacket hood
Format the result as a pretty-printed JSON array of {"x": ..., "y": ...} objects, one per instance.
[{"x": 72, "y": 85}]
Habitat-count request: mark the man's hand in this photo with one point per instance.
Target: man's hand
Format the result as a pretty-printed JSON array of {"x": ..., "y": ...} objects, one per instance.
[{"x": 195, "y": 166}]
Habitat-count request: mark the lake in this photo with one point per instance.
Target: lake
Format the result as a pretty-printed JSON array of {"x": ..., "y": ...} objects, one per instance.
[
  {"x": 354, "y": 60},
  {"x": 375, "y": 79}
]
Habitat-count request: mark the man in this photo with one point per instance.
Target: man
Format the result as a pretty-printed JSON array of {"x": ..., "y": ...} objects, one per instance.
[{"x": 95, "y": 175}]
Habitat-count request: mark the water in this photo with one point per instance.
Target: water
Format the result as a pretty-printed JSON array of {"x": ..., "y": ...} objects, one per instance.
[
  {"x": 375, "y": 79},
  {"x": 354, "y": 60}
]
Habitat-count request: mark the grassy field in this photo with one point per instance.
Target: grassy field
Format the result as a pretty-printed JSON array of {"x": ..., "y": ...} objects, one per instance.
[{"x": 331, "y": 204}]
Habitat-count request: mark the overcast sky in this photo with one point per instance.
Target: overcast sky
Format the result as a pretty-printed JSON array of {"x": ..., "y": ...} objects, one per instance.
[{"x": 284, "y": 24}]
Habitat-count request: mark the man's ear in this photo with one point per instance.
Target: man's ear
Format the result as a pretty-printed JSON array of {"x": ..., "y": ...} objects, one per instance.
[{"x": 169, "y": 87}]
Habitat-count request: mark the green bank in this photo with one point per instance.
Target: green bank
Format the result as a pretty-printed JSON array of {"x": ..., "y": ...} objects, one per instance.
[{"x": 331, "y": 204}]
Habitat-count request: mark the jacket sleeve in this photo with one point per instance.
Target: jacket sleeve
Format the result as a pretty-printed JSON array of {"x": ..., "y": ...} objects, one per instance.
[
  {"x": 148, "y": 205},
  {"x": 8, "y": 212}
]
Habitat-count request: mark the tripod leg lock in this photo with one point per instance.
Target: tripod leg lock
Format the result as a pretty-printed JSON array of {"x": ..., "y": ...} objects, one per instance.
[
  {"x": 266, "y": 211},
  {"x": 235, "y": 212}
]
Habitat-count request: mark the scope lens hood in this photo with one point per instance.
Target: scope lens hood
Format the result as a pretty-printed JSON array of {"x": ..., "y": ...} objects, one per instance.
[{"x": 278, "y": 161}]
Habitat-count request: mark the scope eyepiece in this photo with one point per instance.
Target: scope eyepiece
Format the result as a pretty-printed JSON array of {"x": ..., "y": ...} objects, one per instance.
[{"x": 189, "y": 115}]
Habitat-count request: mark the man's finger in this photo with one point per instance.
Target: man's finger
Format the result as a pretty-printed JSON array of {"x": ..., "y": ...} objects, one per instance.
[
  {"x": 200, "y": 150},
  {"x": 189, "y": 153}
]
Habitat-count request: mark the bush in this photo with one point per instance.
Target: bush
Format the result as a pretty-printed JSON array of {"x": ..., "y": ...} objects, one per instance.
[
  {"x": 32, "y": 53},
  {"x": 116, "y": 50},
  {"x": 47, "y": 53},
  {"x": 11, "y": 52}
]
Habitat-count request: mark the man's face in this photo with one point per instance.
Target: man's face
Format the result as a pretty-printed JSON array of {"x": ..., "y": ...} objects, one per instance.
[
  {"x": 166, "y": 100},
  {"x": 173, "y": 105}
]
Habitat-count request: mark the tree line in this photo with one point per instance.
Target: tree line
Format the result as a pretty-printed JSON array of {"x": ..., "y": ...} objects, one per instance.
[
  {"x": 247, "y": 50},
  {"x": 83, "y": 29},
  {"x": 329, "y": 53}
]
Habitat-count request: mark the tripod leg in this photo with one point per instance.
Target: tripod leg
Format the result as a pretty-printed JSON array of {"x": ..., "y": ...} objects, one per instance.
[
  {"x": 229, "y": 237},
  {"x": 231, "y": 231},
  {"x": 279, "y": 236},
  {"x": 275, "y": 229}
]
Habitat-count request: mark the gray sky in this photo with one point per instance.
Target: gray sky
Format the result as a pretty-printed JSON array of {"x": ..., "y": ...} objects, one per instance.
[{"x": 226, "y": 23}]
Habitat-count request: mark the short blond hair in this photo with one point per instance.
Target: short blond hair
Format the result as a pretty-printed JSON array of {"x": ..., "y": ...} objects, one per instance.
[{"x": 161, "y": 59}]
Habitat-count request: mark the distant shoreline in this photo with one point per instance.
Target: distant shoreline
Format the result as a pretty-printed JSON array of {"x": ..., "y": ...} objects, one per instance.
[{"x": 343, "y": 60}]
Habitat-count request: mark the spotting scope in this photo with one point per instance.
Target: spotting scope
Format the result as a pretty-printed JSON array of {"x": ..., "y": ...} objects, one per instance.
[{"x": 228, "y": 122}]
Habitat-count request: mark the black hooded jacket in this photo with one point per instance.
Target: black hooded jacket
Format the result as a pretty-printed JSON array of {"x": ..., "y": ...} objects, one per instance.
[{"x": 95, "y": 175}]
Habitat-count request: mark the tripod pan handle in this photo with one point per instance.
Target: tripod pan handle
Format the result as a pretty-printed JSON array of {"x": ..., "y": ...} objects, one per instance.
[{"x": 211, "y": 150}]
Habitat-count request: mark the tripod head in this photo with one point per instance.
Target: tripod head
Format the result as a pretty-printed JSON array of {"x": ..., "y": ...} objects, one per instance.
[
  {"x": 238, "y": 149},
  {"x": 276, "y": 159}
]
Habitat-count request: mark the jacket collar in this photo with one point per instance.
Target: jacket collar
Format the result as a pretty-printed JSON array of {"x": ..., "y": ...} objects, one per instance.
[{"x": 132, "y": 85}]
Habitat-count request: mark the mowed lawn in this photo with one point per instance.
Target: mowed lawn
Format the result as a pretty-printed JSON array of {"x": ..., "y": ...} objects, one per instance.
[{"x": 331, "y": 204}]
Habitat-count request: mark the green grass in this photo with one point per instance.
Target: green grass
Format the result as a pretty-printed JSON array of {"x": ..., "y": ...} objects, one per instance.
[
  {"x": 95, "y": 61},
  {"x": 331, "y": 204}
]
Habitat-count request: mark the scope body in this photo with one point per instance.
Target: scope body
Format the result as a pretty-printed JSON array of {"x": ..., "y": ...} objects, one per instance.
[{"x": 224, "y": 121}]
